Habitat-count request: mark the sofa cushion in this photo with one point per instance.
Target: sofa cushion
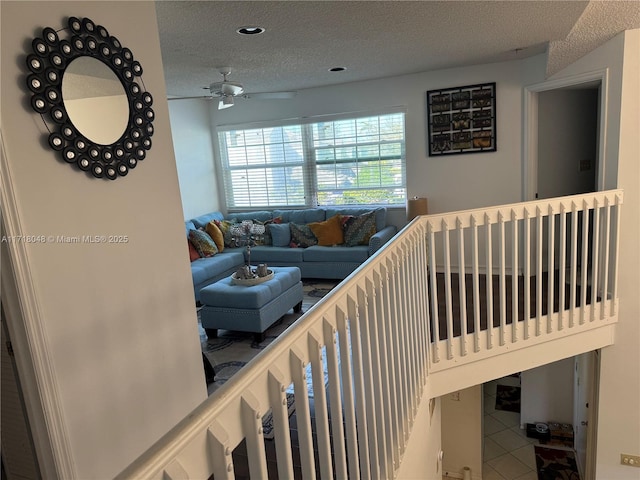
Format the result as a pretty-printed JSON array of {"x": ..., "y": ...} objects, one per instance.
[
  {"x": 275, "y": 255},
  {"x": 319, "y": 253},
  {"x": 202, "y": 220},
  {"x": 280, "y": 234},
  {"x": 358, "y": 230},
  {"x": 189, "y": 225},
  {"x": 205, "y": 246},
  {"x": 204, "y": 269},
  {"x": 302, "y": 236},
  {"x": 328, "y": 232},
  {"x": 300, "y": 217},
  {"x": 380, "y": 214},
  {"x": 216, "y": 234}
]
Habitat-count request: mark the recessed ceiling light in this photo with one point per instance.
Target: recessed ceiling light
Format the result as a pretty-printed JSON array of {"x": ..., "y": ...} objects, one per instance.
[
  {"x": 250, "y": 30},
  {"x": 337, "y": 69}
]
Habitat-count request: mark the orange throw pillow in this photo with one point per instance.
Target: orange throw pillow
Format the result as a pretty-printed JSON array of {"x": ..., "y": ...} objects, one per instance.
[
  {"x": 193, "y": 253},
  {"x": 328, "y": 232}
]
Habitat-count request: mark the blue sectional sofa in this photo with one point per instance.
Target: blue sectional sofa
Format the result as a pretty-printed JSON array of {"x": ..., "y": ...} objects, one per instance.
[{"x": 317, "y": 261}]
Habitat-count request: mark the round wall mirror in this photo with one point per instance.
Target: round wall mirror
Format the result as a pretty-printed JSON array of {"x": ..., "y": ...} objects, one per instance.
[
  {"x": 95, "y": 100},
  {"x": 99, "y": 117}
]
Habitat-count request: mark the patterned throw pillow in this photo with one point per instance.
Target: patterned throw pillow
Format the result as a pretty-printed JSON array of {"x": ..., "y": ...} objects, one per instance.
[
  {"x": 193, "y": 253},
  {"x": 266, "y": 236},
  {"x": 203, "y": 243},
  {"x": 328, "y": 232},
  {"x": 302, "y": 236},
  {"x": 358, "y": 230},
  {"x": 225, "y": 228},
  {"x": 216, "y": 234}
]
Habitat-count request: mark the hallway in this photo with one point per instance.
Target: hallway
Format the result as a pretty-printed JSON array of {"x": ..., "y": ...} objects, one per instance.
[{"x": 508, "y": 453}]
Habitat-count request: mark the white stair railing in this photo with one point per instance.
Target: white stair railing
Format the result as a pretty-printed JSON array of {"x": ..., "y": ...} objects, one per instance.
[
  {"x": 515, "y": 275},
  {"x": 357, "y": 362}
]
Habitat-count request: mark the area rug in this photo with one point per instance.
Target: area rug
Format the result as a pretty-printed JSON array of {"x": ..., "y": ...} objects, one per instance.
[
  {"x": 231, "y": 350},
  {"x": 556, "y": 464},
  {"x": 508, "y": 398}
]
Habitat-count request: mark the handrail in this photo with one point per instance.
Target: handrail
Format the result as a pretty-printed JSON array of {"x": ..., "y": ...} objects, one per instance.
[{"x": 371, "y": 343}]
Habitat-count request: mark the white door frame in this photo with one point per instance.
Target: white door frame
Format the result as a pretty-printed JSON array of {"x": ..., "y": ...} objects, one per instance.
[{"x": 530, "y": 127}]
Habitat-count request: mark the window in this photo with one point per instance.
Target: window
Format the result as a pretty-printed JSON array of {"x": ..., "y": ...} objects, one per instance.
[{"x": 339, "y": 162}]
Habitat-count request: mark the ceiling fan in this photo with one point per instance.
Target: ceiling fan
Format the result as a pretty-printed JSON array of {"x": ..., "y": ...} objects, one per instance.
[{"x": 227, "y": 91}]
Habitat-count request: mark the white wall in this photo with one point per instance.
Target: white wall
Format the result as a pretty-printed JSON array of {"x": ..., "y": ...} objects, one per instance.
[
  {"x": 117, "y": 321},
  {"x": 547, "y": 393},
  {"x": 421, "y": 457},
  {"x": 462, "y": 432},
  {"x": 451, "y": 182},
  {"x": 618, "y": 413},
  {"x": 192, "y": 141}
]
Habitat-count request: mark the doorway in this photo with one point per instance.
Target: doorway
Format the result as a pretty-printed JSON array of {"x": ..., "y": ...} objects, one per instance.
[{"x": 560, "y": 157}]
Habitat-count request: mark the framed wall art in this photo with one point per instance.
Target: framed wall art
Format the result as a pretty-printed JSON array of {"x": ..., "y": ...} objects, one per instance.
[{"x": 461, "y": 120}]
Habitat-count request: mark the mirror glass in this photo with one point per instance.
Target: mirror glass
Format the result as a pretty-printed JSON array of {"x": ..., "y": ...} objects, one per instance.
[{"x": 95, "y": 100}]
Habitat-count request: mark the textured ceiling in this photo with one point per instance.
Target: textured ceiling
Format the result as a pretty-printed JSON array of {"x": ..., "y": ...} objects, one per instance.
[{"x": 372, "y": 39}]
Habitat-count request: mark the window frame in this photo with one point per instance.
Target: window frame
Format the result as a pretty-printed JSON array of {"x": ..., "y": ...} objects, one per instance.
[{"x": 310, "y": 162}]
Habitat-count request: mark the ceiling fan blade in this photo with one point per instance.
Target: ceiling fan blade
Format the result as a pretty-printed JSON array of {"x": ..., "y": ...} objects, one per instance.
[
  {"x": 270, "y": 95},
  {"x": 202, "y": 97}
]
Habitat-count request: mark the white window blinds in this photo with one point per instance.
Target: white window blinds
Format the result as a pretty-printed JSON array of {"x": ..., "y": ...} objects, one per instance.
[{"x": 340, "y": 162}]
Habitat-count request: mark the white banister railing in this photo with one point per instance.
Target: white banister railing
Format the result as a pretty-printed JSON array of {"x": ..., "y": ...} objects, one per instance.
[
  {"x": 537, "y": 269},
  {"x": 358, "y": 361}
]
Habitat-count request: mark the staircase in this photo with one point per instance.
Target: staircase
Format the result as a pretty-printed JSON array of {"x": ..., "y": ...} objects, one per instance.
[{"x": 452, "y": 301}]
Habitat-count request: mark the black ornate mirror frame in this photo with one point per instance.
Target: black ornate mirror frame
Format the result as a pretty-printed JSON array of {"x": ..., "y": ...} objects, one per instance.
[{"x": 47, "y": 66}]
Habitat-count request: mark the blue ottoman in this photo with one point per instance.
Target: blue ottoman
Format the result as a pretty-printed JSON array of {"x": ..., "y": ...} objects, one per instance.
[{"x": 250, "y": 308}]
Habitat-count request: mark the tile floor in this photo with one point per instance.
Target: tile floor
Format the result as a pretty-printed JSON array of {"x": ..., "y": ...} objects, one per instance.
[{"x": 508, "y": 452}]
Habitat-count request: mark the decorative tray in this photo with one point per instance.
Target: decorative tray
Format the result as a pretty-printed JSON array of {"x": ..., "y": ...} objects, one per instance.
[{"x": 251, "y": 281}]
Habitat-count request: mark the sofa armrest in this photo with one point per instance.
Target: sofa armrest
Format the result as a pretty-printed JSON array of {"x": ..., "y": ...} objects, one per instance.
[{"x": 380, "y": 238}]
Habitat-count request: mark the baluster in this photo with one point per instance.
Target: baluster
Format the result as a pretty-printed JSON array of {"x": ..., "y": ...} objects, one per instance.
[
  {"x": 403, "y": 372},
  {"x": 447, "y": 290},
  {"x": 347, "y": 392},
  {"x": 503, "y": 289},
  {"x": 435, "y": 323},
  {"x": 175, "y": 471},
  {"x": 476, "y": 284},
  {"x": 527, "y": 273},
  {"x": 370, "y": 371},
  {"x": 595, "y": 255},
  {"x": 388, "y": 384},
  {"x": 538, "y": 272},
  {"x": 321, "y": 410},
  {"x": 252, "y": 429},
  {"x": 361, "y": 400},
  {"x": 605, "y": 256},
  {"x": 462, "y": 291},
  {"x": 280, "y": 413},
  {"x": 584, "y": 267},
  {"x": 218, "y": 445},
  {"x": 614, "y": 289},
  {"x": 303, "y": 415},
  {"x": 574, "y": 262},
  {"x": 563, "y": 265},
  {"x": 335, "y": 398},
  {"x": 551, "y": 267},
  {"x": 514, "y": 278},
  {"x": 489, "y": 281}
]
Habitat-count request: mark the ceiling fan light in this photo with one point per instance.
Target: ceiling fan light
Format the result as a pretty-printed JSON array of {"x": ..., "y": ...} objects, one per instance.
[{"x": 225, "y": 102}]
